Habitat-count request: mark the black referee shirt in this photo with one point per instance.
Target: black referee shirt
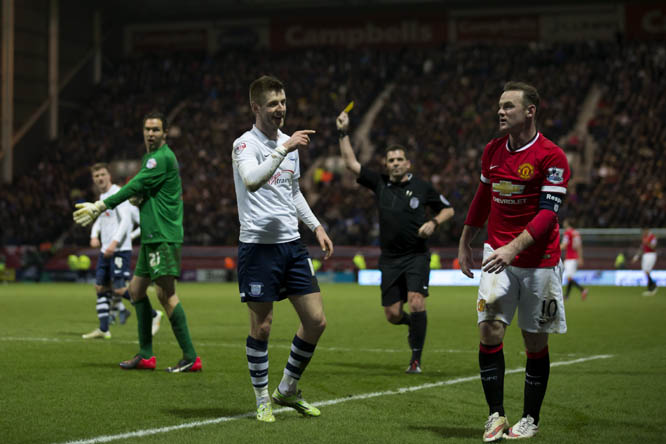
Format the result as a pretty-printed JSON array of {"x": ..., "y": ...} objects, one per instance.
[{"x": 402, "y": 211}]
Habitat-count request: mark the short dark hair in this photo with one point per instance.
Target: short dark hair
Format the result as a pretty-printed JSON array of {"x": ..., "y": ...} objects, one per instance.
[
  {"x": 263, "y": 85},
  {"x": 530, "y": 93},
  {"x": 99, "y": 166},
  {"x": 396, "y": 148},
  {"x": 156, "y": 115}
]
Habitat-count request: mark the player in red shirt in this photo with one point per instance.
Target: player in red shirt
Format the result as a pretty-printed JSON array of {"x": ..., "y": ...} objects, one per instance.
[
  {"x": 573, "y": 257},
  {"x": 648, "y": 251},
  {"x": 524, "y": 180}
]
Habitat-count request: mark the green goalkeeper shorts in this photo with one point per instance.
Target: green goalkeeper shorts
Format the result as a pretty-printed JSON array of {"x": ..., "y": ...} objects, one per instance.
[{"x": 157, "y": 260}]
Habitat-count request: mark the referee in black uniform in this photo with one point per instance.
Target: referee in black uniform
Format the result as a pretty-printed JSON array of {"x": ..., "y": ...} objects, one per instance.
[{"x": 404, "y": 227}]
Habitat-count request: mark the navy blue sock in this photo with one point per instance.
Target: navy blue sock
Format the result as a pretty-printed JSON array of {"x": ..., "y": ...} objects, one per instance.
[
  {"x": 257, "y": 362},
  {"x": 103, "y": 306}
]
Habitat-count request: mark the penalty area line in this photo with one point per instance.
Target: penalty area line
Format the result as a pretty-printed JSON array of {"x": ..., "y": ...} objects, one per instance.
[{"x": 189, "y": 425}]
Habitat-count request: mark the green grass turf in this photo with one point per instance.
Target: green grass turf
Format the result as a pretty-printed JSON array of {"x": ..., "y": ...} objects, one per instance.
[{"x": 56, "y": 387}]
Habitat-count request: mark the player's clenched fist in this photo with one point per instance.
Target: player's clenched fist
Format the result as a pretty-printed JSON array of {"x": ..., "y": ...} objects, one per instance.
[
  {"x": 342, "y": 122},
  {"x": 300, "y": 139}
]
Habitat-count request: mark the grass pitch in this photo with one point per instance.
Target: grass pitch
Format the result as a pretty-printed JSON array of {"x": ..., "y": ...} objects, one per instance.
[{"x": 56, "y": 387}]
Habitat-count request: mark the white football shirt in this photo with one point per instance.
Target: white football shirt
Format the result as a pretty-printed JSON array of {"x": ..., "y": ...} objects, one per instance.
[
  {"x": 114, "y": 224},
  {"x": 268, "y": 215},
  {"x": 136, "y": 222}
]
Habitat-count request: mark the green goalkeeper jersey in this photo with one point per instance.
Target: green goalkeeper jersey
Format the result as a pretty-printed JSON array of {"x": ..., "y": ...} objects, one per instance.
[{"x": 158, "y": 183}]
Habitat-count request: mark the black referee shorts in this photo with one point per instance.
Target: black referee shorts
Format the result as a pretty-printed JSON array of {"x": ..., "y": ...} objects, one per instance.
[{"x": 401, "y": 274}]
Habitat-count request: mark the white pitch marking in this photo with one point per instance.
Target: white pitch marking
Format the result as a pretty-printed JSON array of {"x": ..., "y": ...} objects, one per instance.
[
  {"x": 242, "y": 346},
  {"x": 189, "y": 425},
  {"x": 239, "y": 345}
]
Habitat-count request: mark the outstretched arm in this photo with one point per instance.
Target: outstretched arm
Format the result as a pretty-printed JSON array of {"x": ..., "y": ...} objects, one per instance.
[{"x": 346, "y": 150}]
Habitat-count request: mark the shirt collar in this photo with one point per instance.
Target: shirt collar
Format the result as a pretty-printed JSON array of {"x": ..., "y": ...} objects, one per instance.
[
  {"x": 524, "y": 147},
  {"x": 263, "y": 138},
  {"x": 402, "y": 182}
]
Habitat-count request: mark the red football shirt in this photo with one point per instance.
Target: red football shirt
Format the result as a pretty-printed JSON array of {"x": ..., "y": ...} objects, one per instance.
[
  {"x": 517, "y": 179},
  {"x": 649, "y": 242},
  {"x": 571, "y": 241}
]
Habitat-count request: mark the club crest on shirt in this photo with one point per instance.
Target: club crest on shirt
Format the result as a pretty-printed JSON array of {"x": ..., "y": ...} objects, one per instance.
[
  {"x": 525, "y": 171},
  {"x": 555, "y": 175},
  {"x": 414, "y": 202},
  {"x": 151, "y": 163},
  {"x": 240, "y": 147}
]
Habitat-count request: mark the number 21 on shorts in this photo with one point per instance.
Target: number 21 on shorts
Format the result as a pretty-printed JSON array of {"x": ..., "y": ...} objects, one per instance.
[{"x": 154, "y": 259}]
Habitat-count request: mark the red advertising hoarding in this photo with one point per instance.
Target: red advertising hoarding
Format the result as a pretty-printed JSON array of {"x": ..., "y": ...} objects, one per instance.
[
  {"x": 163, "y": 40},
  {"x": 359, "y": 32},
  {"x": 505, "y": 28},
  {"x": 646, "y": 21}
]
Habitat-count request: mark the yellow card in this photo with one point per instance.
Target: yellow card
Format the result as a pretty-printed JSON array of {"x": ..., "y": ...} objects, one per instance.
[{"x": 349, "y": 107}]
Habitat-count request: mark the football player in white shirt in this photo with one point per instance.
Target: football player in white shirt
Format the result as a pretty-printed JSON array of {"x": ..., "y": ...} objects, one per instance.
[
  {"x": 113, "y": 264},
  {"x": 273, "y": 263}
]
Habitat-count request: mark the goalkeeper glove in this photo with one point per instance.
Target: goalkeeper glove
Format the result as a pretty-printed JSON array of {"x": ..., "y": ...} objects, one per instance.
[{"x": 87, "y": 212}]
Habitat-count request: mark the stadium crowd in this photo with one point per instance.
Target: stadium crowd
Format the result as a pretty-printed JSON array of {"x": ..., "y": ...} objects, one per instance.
[
  {"x": 443, "y": 108},
  {"x": 626, "y": 187}
]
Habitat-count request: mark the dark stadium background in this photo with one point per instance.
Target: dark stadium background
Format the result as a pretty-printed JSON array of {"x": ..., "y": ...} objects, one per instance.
[{"x": 600, "y": 68}]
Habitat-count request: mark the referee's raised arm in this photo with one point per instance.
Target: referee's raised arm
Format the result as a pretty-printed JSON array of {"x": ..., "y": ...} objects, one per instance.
[{"x": 346, "y": 150}]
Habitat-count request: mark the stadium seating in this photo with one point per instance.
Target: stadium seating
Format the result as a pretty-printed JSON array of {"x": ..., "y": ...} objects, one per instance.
[{"x": 443, "y": 108}]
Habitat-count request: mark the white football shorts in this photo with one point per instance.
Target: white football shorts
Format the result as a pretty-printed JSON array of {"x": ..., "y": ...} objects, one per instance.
[
  {"x": 535, "y": 292},
  {"x": 647, "y": 262},
  {"x": 570, "y": 268}
]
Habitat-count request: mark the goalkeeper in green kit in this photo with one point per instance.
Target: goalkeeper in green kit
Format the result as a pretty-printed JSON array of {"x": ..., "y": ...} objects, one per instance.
[{"x": 157, "y": 191}]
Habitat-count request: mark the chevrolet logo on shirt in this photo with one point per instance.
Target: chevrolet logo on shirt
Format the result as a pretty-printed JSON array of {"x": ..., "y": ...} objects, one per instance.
[{"x": 506, "y": 188}]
